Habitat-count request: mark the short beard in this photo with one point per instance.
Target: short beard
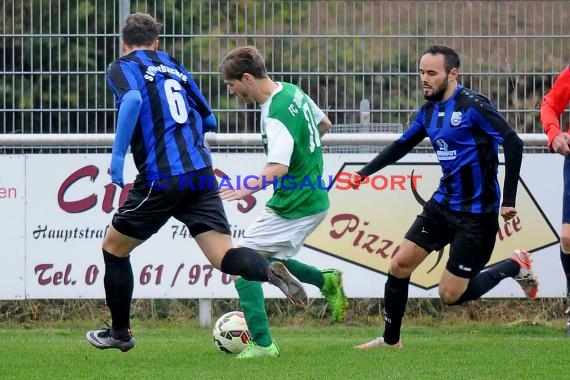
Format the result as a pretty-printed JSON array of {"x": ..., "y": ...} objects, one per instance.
[{"x": 437, "y": 95}]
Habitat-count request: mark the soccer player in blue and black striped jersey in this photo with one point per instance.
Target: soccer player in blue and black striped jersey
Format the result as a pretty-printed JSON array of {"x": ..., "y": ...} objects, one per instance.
[
  {"x": 163, "y": 117},
  {"x": 465, "y": 130}
]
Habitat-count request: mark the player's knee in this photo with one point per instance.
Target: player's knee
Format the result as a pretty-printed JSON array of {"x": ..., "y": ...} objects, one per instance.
[
  {"x": 400, "y": 269},
  {"x": 117, "y": 249},
  {"x": 449, "y": 296},
  {"x": 565, "y": 244}
]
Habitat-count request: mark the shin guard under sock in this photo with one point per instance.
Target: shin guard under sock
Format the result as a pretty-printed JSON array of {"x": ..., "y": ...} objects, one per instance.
[
  {"x": 119, "y": 285},
  {"x": 252, "y": 304},
  {"x": 395, "y": 300}
]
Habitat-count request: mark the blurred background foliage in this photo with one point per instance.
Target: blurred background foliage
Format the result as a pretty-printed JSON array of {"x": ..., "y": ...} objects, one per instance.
[{"x": 54, "y": 55}]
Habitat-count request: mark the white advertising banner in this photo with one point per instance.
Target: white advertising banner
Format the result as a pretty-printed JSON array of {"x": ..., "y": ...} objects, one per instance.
[
  {"x": 12, "y": 227},
  {"x": 69, "y": 205},
  {"x": 364, "y": 227},
  {"x": 63, "y": 204}
]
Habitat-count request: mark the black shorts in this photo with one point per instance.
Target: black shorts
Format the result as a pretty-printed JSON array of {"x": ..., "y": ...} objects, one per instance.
[
  {"x": 187, "y": 198},
  {"x": 471, "y": 237}
]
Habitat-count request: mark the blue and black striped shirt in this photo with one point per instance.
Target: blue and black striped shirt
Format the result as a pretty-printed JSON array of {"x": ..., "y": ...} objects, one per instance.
[
  {"x": 465, "y": 132},
  {"x": 168, "y": 139}
]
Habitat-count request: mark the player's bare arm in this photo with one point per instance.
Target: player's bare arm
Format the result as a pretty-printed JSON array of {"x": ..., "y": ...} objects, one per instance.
[{"x": 324, "y": 126}]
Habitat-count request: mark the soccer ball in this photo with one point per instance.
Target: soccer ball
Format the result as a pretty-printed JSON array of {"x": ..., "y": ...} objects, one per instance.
[{"x": 231, "y": 334}]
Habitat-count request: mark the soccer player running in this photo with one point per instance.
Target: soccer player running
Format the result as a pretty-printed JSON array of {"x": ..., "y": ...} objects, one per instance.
[
  {"x": 291, "y": 128},
  {"x": 552, "y": 106},
  {"x": 465, "y": 130},
  {"x": 163, "y": 117}
]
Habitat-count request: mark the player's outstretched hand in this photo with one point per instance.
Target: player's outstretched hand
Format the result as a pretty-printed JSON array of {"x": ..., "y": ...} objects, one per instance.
[
  {"x": 229, "y": 194},
  {"x": 356, "y": 179}
]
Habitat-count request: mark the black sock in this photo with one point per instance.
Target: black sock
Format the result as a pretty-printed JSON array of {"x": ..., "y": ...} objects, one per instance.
[
  {"x": 487, "y": 280},
  {"x": 395, "y": 300},
  {"x": 565, "y": 260},
  {"x": 119, "y": 285},
  {"x": 247, "y": 263}
]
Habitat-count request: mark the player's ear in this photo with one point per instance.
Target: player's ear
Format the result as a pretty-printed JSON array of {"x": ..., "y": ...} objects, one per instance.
[
  {"x": 155, "y": 44},
  {"x": 453, "y": 73},
  {"x": 247, "y": 77}
]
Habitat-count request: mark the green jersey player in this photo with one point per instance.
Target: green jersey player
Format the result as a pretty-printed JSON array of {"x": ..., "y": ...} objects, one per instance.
[
  {"x": 291, "y": 138},
  {"x": 291, "y": 127}
]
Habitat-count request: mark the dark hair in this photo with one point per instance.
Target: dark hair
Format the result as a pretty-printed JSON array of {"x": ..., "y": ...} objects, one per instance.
[
  {"x": 140, "y": 29},
  {"x": 241, "y": 60},
  {"x": 451, "y": 59}
]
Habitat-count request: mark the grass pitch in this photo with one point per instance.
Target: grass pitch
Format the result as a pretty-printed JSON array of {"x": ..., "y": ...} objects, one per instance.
[{"x": 175, "y": 351}]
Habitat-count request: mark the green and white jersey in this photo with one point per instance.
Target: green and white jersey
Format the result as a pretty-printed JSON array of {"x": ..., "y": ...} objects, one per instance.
[{"x": 289, "y": 120}]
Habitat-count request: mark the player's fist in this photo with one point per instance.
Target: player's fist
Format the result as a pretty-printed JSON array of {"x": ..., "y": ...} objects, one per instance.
[
  {"x": 508, "y": 212},
  {"x": 560, "y": 144}
]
